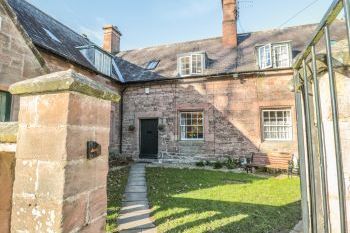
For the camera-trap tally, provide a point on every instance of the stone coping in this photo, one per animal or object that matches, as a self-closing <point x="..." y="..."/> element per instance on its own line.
<point x="8" y="132"/>
<point x="64" y="81"/>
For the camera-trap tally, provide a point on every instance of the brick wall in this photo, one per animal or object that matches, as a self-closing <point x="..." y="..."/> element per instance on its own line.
<point x="17" y="61"/>
<point x="232" y="109"/>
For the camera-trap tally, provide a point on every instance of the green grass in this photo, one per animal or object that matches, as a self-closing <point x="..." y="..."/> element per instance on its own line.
<point x="116" y="183"/>
<point x="186" y="200"/>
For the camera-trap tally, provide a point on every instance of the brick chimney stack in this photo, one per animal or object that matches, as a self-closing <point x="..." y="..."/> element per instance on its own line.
<point x="111" y="39"/>
<point x="229" y="23"/>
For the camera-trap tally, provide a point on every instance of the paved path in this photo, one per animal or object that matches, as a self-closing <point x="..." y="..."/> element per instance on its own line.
<point x="134" y="215"/>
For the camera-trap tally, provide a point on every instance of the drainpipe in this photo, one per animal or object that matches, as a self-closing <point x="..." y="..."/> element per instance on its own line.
<point x="121" y="112"/>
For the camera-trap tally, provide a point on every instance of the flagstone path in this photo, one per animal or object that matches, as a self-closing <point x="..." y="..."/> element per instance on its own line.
<point x="135" y="213"/>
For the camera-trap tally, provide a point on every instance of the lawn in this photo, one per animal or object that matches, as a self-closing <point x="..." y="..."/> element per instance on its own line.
<point x="186" y="200"/>
<point x="116" y="183"/>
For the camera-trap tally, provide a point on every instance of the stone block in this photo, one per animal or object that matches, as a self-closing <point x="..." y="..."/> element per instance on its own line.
<point x="7" y="175"/>
<point x="98" y="225"/>
<point x="34" y="215"/>
<point x="88" y="111"/>
<point x="25" y="174"/>
<point x="78" y="136"/>
<point x="84" y="175"/>
<point x="74" y="213"/>
<point x="30" y="143"/>
<point x="98" y="203"/>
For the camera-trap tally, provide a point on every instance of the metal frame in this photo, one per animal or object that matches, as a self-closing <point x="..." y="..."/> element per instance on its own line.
<point x="302" y="86"/>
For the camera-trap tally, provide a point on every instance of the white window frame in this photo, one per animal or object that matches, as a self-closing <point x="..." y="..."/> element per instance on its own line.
<point x="183" y="124"/>
<point x="283" y="57"/>
<point x="287" y="124"/>
<point x="265" y="56"/>
<point x="193" y="70"/>
<point x="270" y="51"/>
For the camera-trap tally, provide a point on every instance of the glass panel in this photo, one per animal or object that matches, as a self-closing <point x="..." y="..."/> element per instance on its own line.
<point x="5" y="106"/>
<point x="191" y="124"/>
<point x="274" y="124"/>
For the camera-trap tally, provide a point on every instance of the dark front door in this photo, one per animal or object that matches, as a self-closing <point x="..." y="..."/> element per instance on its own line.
<point x="149" y="139"/>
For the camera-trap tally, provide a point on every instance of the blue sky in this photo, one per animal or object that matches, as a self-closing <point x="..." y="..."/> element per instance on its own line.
<point x="152" y="22"/>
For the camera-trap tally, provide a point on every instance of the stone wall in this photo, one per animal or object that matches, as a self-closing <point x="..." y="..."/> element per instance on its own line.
<point x="8" y="137"/>
<point x="232" y="115"/>
<point x="58" y="64"/>
<point x="17" y="60"/>
<point x="57" y="187"/>
<point x="7" y="175"/>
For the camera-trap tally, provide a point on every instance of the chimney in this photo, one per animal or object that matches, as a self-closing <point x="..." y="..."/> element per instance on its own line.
<point x="111" y="39"/>
<point x="229" y="23"/>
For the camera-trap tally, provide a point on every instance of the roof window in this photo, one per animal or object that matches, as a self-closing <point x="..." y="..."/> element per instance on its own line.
<point x="152" y="65"/>
<point x="276" y="55"/>
<point x="191" y="64"/>
<point x="52" y="36"/>
<point x="99" y="58"/>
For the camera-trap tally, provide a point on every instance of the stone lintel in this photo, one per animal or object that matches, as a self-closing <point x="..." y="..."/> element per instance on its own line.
<point x="64" y="81"/>
<point x="8" y="132"/>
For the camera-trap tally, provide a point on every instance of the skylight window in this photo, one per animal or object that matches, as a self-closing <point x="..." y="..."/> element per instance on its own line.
<point x="52" y="36"/>
<point x="152" y="65"/>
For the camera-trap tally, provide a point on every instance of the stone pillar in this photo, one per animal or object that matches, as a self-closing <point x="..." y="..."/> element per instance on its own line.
<point x="56" y="188"/>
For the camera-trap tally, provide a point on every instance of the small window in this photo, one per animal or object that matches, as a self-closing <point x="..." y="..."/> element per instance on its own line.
<point x="191" y="126"/>
<point x="51" y="35"/>
<point x="152" y="65"/>
<point x="277" y="124"/>
<point x="5" y="106"/>
<point x="281" y="55"/>
<point x="274" y="56"/>
<point x="191" y="64"/>
<point x="103" y="62"/>
<point x="265" y="56"/>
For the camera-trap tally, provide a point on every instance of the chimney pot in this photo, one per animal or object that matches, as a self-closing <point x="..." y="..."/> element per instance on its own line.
<point x="229" y="23"/>
<point x="111" y="39"/>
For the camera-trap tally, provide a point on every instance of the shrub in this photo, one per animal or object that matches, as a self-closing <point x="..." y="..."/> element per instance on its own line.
<point x="218" y="165"/>
<point x="231" y="163"/>
<point x="207" y="163"/>
<point x="200" y="164"/>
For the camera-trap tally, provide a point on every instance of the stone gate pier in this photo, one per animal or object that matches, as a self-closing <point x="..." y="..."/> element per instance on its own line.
<point x="57" y="187"/>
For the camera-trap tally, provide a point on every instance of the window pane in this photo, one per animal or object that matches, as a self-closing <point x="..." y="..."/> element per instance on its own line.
<point x="5" y="106"/>
<point x="277" y="124"/>
<point x="191" y="125"/>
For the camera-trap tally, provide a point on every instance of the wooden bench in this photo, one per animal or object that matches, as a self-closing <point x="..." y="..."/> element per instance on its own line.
<point x="280" y="161"/>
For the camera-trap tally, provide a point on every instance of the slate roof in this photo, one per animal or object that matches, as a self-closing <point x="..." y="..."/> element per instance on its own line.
<point x="35" y="22"/>
<point x="220" y="59"/>
<point x="132" y="63"/>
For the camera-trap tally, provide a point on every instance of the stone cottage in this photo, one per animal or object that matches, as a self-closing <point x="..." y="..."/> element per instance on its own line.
<point x="204" y="99"/>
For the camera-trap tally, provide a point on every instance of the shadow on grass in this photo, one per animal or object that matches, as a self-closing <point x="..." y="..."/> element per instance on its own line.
<point x="199" y="201"/>
<point x="116" y="183"/>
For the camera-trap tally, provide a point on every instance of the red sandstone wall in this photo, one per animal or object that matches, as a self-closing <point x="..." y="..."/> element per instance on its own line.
<point x="17" y="62"/>
<point x="58" y="64"/>
<point x="232" y="109"/>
